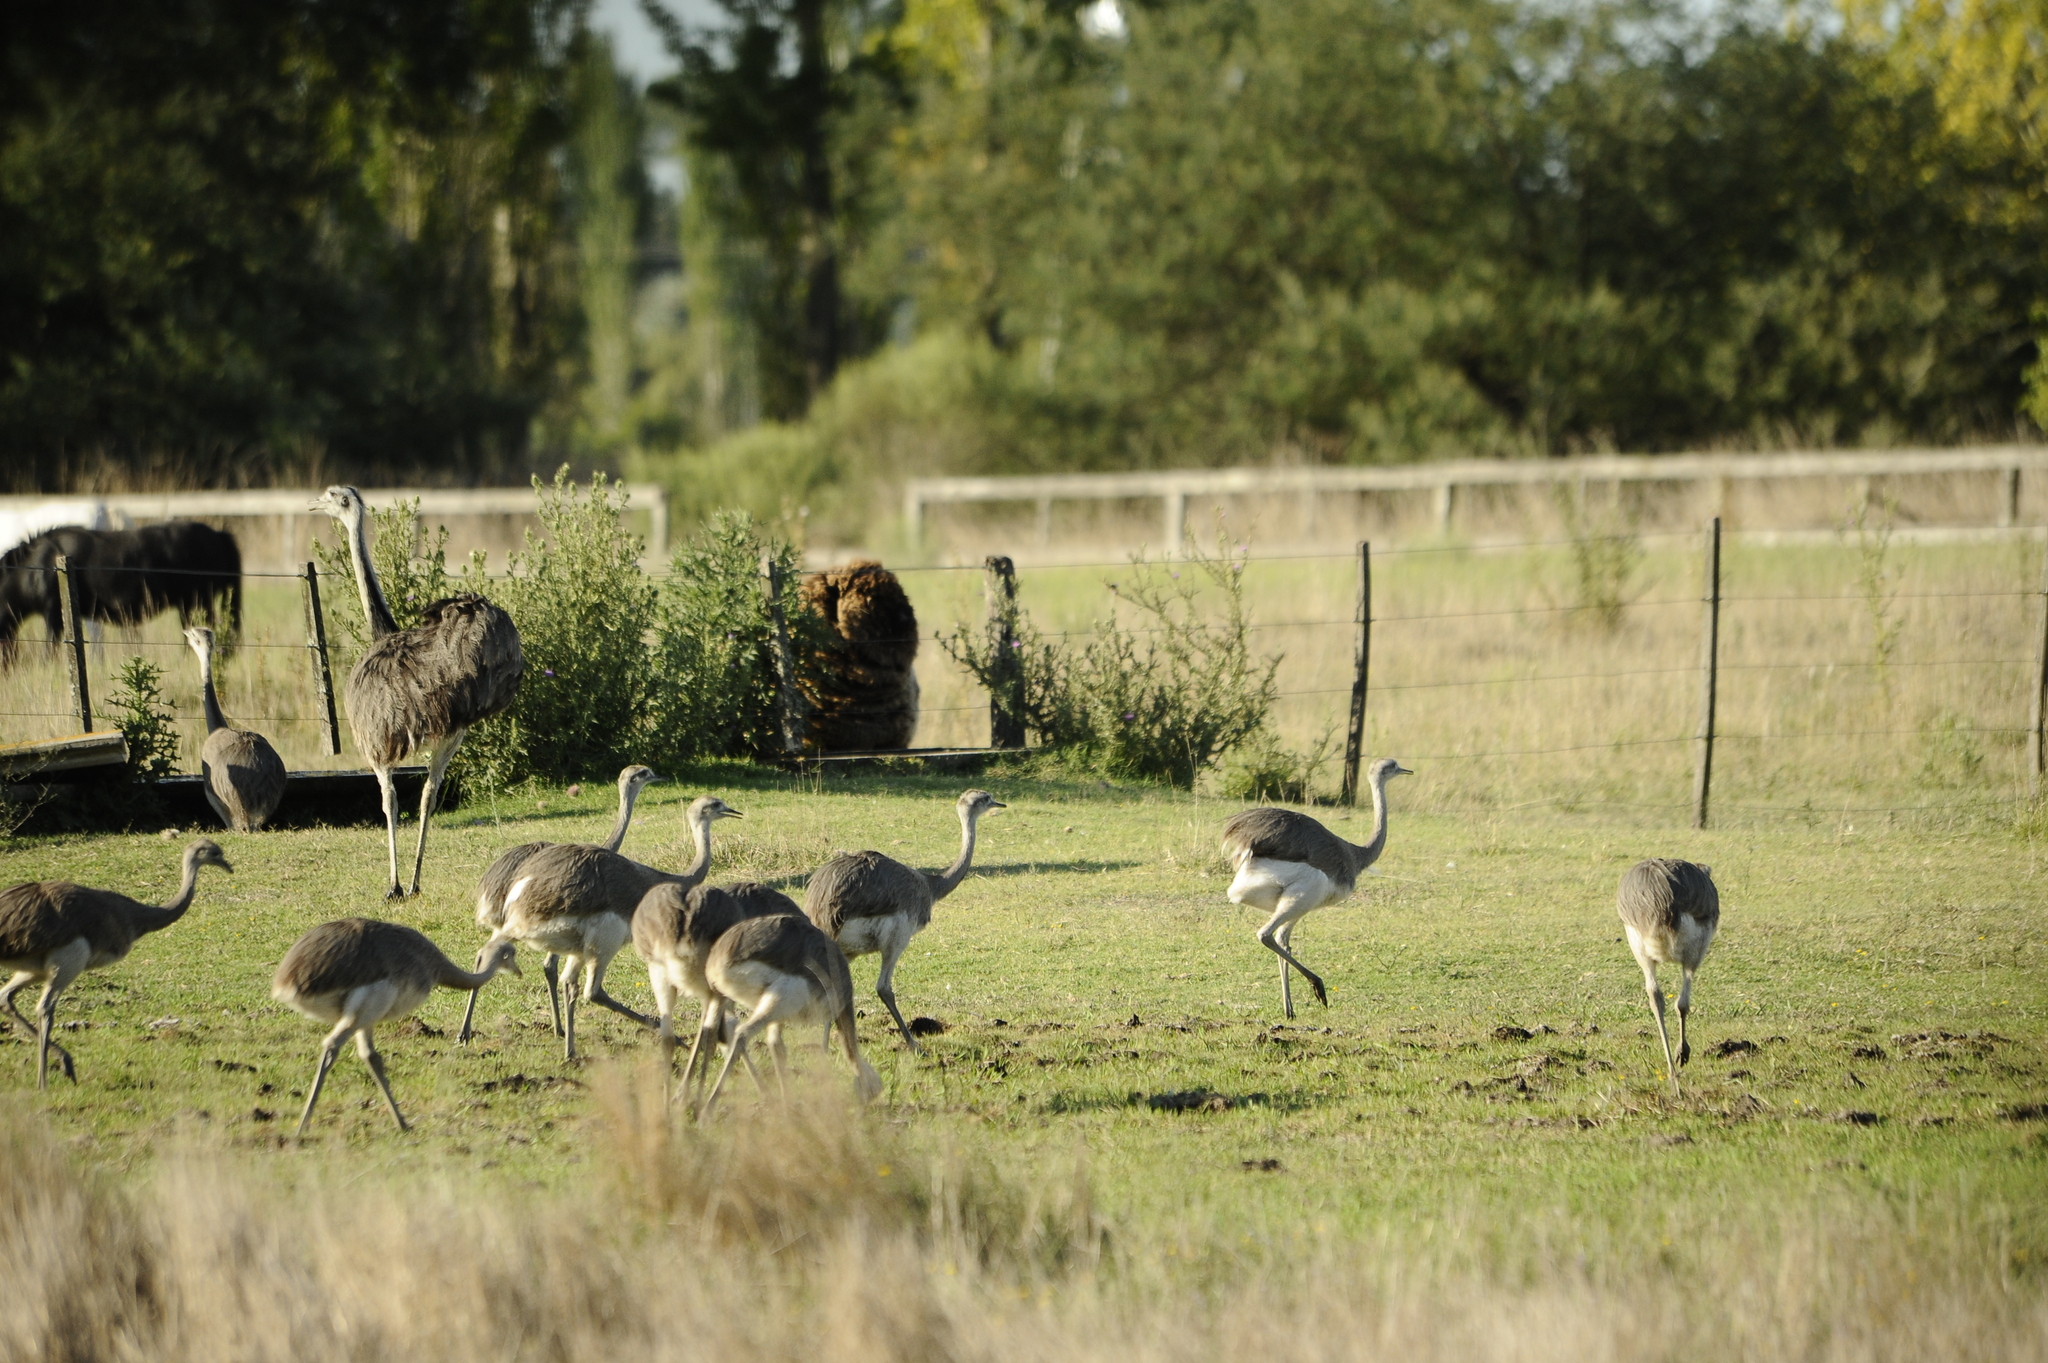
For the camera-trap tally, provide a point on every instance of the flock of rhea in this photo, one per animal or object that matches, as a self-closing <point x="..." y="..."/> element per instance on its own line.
<point x="748" y="956"/>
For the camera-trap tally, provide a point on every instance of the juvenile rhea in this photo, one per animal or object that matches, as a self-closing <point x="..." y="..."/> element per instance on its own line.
<point x="241" y="773"/>
<point x="1670" y="911"/>
<point x="782" y="970"/>
<point x="503" y="874"/>
<point x="1288" y="865"/>
<point x="52" y="931"/>
<point x="867" y="902"/>
<point x="674" y="930"/>
<point x="358" y="972"/>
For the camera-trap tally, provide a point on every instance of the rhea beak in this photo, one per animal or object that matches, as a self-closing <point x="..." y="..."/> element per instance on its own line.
<point x="997" y="804"/>
<point x="1404" y="771"/>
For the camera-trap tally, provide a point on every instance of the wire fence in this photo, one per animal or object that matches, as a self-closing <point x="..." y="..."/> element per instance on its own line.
<point x="1907" y="685"/>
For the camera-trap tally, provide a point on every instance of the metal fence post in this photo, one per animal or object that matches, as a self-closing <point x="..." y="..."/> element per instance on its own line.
<point x="316" y="644"/>
<point x="1006" y="662"/>
<point x="792" y="702"/>
<point x="74" y="643"/>
<point x="2037" y="755"/>
<point x="1703" y="777"/>
<point x="1354" y="736"/>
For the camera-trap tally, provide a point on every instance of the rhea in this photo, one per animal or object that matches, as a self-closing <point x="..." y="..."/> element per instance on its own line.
<point x="357" y="973"/>
<point x="867" y="902"/>
<point x="783" y="971"/>
<point x="1670" y="911"/>
<point x="423" y="687"/>
<point x="503" y="874"/>
<point x="674" y="929"/>
<point x="52" y="931"/>
<point x="1287" y="864"/>
<point x="241" y="773"/>
<point x="578" y="902"/>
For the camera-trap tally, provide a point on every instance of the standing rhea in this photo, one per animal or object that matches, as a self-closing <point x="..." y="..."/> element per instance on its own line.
<point x="241" y="773"/>
<point x="579" y="902"/>
<point x="781" y="970"/>
<point x="422" y="687"/>
<point x="358" y="972"/>
<point x="1288" y="864"/>
<point x="503" y="874"/>
<point x="53" y="930"/>
<point x="1670" y="911"/>
<point x="867" y="902"/>
<point x="675" y="928"/>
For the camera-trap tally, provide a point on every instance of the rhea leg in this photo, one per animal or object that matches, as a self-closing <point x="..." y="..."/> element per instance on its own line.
<point x="886" y="991"/>
<point x="389" y="790"/>
<point x="707" y="1032"/>
<point x="429" y="798"/>
<point x="329" y="1049"/>
<point x="593" y="992"/>
<point x="551" y="970"/>
<point x="1276" y="934"/>
<point x="1657" y="1005"/>
<point x="46" y="1019"/>
<point x="366" y="1047"/>
<point x="1684" y="1008"/>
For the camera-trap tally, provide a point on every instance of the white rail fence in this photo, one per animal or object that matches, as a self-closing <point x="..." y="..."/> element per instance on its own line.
<point x="1173" y="488"/>
<point x="287" y="507"/>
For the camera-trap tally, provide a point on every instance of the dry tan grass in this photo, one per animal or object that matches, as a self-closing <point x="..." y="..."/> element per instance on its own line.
<point x="822" y="1235"/>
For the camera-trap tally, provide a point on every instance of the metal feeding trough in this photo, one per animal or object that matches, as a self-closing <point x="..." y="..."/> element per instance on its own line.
<point x="310" y="797"/>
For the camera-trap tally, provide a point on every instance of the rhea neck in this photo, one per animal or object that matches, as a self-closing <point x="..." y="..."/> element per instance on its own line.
<point x="155" y="917"/>
<point x="628" y="793"/>
<point x="944" y="882"/>
<point x="700" y="831"/>
<point x="1365" y="854"/>
<point x="453" y="976"/>
<point x="375" y="609"/>
<point x="214" y="718"/>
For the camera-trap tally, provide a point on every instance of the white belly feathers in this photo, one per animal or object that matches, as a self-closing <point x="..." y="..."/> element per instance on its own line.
<point x="1262" y="883"/>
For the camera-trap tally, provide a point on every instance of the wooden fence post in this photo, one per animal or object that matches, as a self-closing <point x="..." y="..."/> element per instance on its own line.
<point x="1006" y="671"/>
<point x="74" y="643"/>
<point x="316" y="644"/>
<point x="1703" y="777"/>
<point x="2037" y="755"/>
<point x="792" y="701"/>
<point x="1354" y="736"/>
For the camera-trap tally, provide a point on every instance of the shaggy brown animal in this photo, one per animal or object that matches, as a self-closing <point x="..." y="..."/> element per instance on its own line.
<point x="861" y="687"/>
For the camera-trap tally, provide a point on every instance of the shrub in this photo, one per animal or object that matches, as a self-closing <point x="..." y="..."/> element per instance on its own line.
<point x="145" y="718"/>
<point x="1605" y="552"/>
<point x="1163" y="699"/>
<point x="713" y="681"/>
<point x="583" y="608"/>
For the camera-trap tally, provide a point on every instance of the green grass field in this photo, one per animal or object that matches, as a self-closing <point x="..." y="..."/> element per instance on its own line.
<point x="1092" y="964"/>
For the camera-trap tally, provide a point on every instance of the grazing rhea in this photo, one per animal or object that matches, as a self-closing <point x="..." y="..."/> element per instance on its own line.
<point x="421" y="687"/>
<point x="867" y="902"/>
<point x="241" y="773"/>
<point x="1288" y="864"/>
<point x="358" y="972"/>
<point x="52" y="931"/>
<point x="504" y="873"/>
<point x="1670" y="911"/>
<point x="578" y="902"/>
<point x="674" y="929"/>
<point x="782" y="970"/>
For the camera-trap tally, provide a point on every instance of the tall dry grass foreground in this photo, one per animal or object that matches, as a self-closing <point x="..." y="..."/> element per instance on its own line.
<point x="818" y="1234"/>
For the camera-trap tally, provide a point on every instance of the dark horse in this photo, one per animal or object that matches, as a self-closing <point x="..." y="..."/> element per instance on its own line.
<point x="124" y="576"/>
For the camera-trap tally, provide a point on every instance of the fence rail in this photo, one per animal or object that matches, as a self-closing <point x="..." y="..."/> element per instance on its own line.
<point x="1173" y="487"/>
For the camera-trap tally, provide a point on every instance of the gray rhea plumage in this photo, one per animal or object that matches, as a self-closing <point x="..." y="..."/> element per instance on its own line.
<point x="782" y="969"/>
<point x="357" y="973"/>
<point x="503" y="873"/>
<point x="52" y="931"/>
<point x="579" y="901"/>
<point x="867" y="902"/>
<point x="1288" y="864"/>
<point x="243" y="776"/>
<point x="422" y="687"/>
<point x="674" y="930"/>
<point x="1670" y="911"/>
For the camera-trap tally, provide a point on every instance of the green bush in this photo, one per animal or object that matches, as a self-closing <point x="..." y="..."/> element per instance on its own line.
<point x="1162" y="699"/>
<point x="583" y="608"/>
<point x="145" y="717"/>
<point x="713" y="681"/>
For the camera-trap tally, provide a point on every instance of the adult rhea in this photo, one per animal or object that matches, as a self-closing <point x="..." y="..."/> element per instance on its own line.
<point x="53" y="931"/>
<point x="423" y="687"/>
<point x="1670" y="911"/>
<point x="1288" y="865"/>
